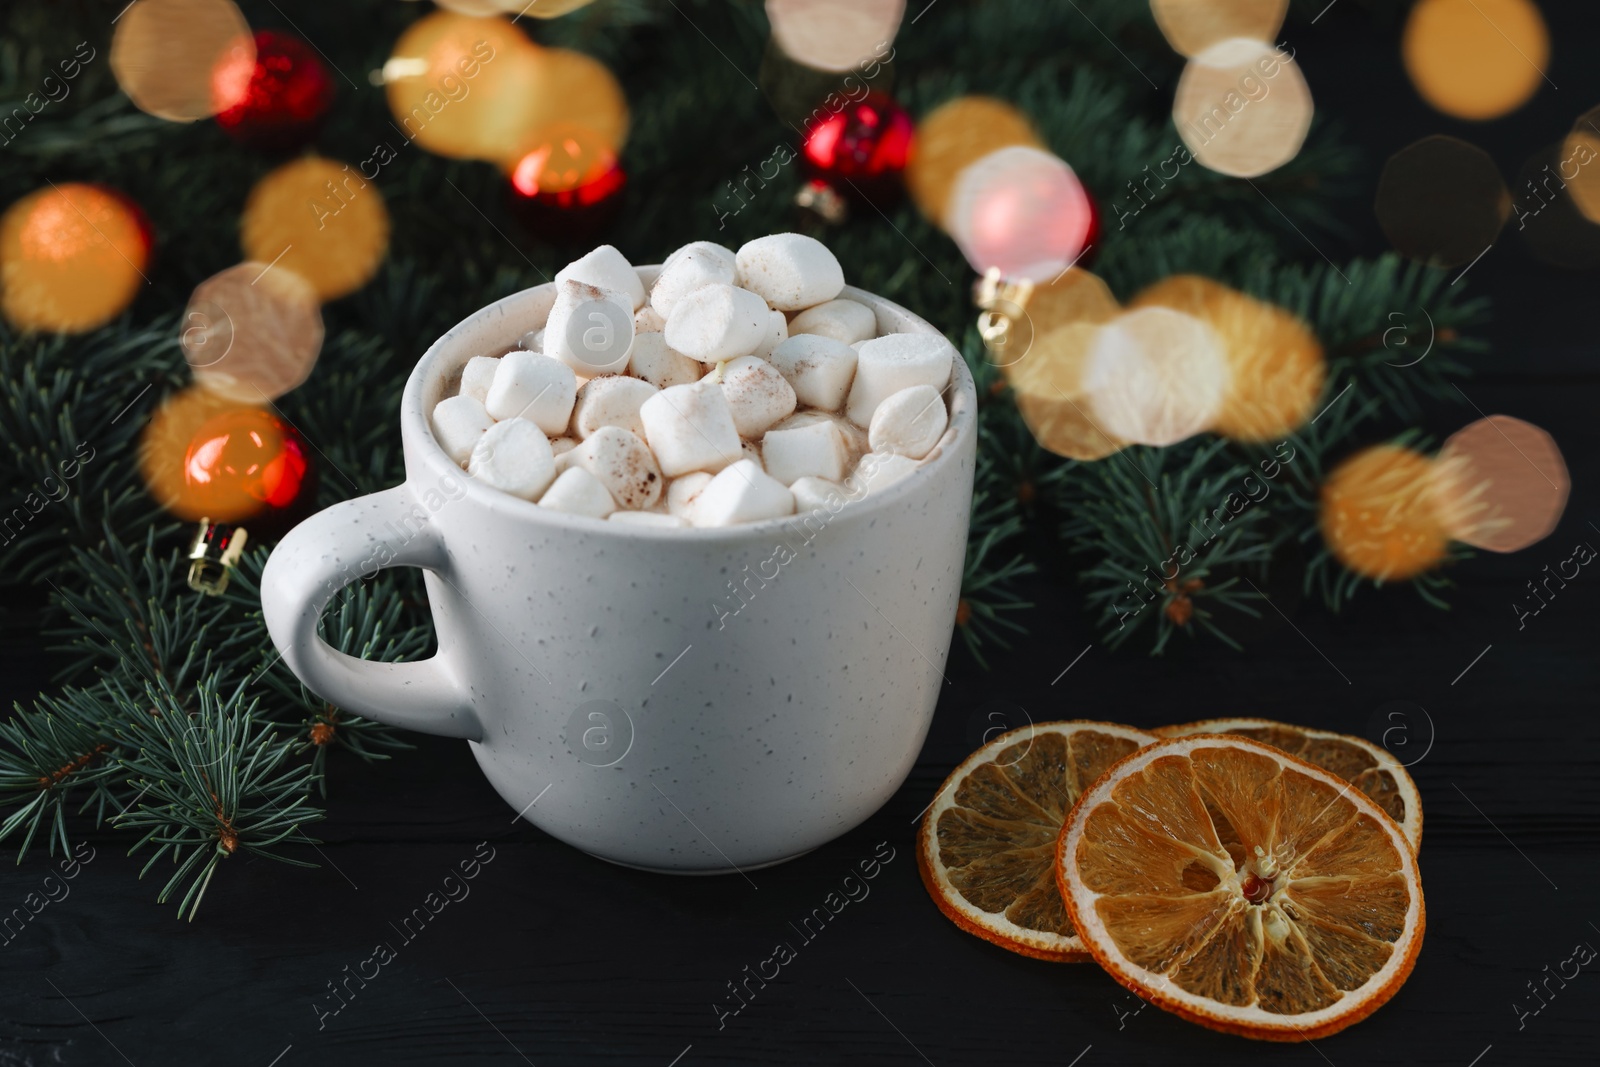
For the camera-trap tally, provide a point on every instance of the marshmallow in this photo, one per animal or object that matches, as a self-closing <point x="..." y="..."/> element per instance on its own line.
<point x="757" y="395"/>
<point x="514" y="456"/>
<point x="653" y="361"/>
<point x="647" y="320"/>
<point x="689" y="268"/>
<point x="790" y="270"/>
<point x="690" y="428"/>
<point x="477" y="376"/>
<point x="532" y="386"/>
<point x="683" y="492"/>
<point x="611" y="401"/>
<point x="458" y="422"/>
<point x="562" y="445"/>
<point x="578" y="492"/>
<point x="606" y="268"/>
<point x="717" y="322"/>
<point x="532" y="341"/>
<point x="646" y="518"/>
<point x="885" y="365"/>
<point x="909" y="423"/>
<point x="742" y="493"/>
<point x="877" y="471"/>
<point x="817" y="494"/>
<point x="623" y="464"/>
<point x="842" y="320"/>
<point x="590" y="329"/>
<point x="704" y="247"/>
<point x="777" y="333"/>
<point x="747" y="450"/>
<point x="819" y="368"/>
<point x="815" y="450"/>
<point x="855" y="438"/>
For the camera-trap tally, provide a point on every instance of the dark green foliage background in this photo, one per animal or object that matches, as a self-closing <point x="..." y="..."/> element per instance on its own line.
<point x="178" y="722"/>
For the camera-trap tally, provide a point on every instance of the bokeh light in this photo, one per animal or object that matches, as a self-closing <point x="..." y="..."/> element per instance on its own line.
<point x="252" y="334"/>
<point x="1546" y="214"/>
<point x="1441" y="201"/>
<point x="71" y="257"/>
<point x="1074" y="296"/>
<point x="1476" y="59"/>
<point x="1050" y="393"/>
<point x="1275" y="363"/>
<point x="1022" y="210"/>
<point x="319" y="219"/>
<point x="1502" y="484"/>
<point x="1580" y="164"/>
<point x="1192" y="26"/>
<point x="1380" y="517"/>
<point x="1242" y="107"/>
<point x="835" y="35"/>
<point x="1156" y="376"/>
<point x="953" y="136"/>
<point x="179" y="59"/>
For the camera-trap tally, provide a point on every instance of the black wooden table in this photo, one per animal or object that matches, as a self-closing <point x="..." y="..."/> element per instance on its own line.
<point x="550" y="957"/>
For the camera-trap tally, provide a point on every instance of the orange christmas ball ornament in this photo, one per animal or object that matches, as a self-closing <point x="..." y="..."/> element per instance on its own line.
<point x="165" y="441"/>
<point x="319" y="219"/>
<point x="206" y="457"/>
<point x="241" y="464"/>
<point x="952" y="137"/>
<point x="1276" y="361"/>
<point x="72" y="257"/>
<point x="1380" y="517"/>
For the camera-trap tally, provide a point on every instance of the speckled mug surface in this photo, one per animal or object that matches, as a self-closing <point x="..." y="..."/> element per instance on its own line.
<point x="614" y="686"/>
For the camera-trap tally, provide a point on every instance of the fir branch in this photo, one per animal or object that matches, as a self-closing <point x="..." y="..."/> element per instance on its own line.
<point x="63" y="745"/>
<point x="211" y="783"/>
<point x="1167" y="527"/>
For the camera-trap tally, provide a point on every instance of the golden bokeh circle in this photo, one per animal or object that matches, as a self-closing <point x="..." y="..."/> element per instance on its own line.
<point x="1276" y="365"/>
<point x="1441" y="201"/>
<point x="1049" y="390"/>
<point x="71" y="258"/>
<point x="1242" y="107"/>
<point x="953" y="136"/>
<point x="167" y="54"/>
<point x="1579" y="164"/>
<point x="1502" y="484"/>
<point x="1379" y="515"/>
<point x="1076" y="296"/>
<point x="1476" y="59"/>
<point x="1192" y="26"/>
<point x="458" y="85"/>
<point x="321" y="220"/>
<point x="252" y="334"/>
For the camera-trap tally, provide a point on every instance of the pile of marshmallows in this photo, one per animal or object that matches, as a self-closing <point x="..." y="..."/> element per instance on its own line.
<point x="740" y="388"/>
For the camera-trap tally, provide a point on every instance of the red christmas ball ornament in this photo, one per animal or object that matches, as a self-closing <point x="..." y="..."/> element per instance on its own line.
<point x="860" y="151"/>
<point x="246" y="465"/>
<point x="278" y="101"/>
<point x="566" y="185"/>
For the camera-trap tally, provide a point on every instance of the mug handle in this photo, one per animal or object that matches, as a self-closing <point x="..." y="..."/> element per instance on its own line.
<point x="309" y="567"/>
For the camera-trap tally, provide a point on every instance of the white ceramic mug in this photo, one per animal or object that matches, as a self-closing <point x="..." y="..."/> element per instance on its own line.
<point x="615" y="688"/>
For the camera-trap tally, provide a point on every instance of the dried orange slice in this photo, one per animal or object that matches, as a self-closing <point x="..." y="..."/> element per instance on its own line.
<point x="1242" y="888"/>
<point x="988" y="841"/>
<point x="1368" y="767"/>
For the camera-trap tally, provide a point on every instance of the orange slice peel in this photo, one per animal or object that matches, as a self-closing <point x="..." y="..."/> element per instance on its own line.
<point x="987" y="845"/>
<point x="1242" y="888"/>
